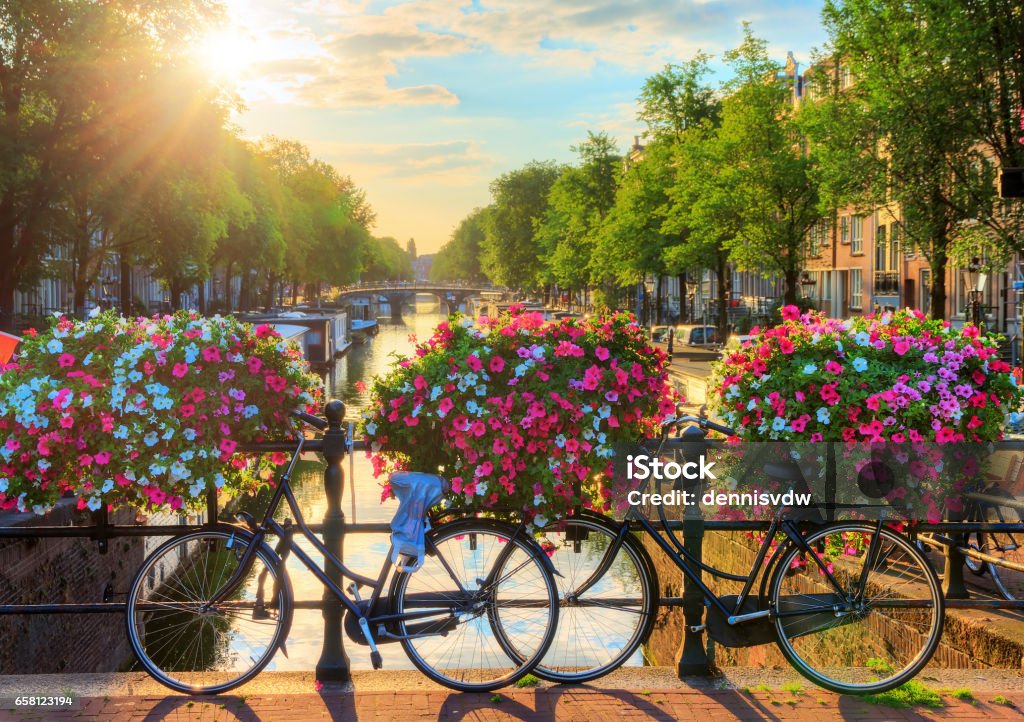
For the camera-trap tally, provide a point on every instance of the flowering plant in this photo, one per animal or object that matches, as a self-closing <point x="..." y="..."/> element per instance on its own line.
<point x="519" y="412"/>
<point x="893" y="378"/>
<point x="921" y="395"/>
<point x="144" y="412"/>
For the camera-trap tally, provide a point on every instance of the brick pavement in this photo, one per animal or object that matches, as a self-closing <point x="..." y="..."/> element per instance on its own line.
<point x="553" y="703"/>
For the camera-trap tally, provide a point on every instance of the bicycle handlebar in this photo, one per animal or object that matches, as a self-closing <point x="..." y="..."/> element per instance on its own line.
<point x="311" y="420"/>
<point x="701" y="422"/>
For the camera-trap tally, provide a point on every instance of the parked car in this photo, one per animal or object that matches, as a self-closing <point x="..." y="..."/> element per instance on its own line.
<point x="697" y="335"/>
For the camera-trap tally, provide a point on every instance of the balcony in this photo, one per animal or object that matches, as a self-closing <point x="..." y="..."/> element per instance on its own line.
<point x="887" y="283"/>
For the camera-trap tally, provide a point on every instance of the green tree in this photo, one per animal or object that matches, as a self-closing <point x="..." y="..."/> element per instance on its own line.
<point x="775" y="185"/>
<point x="512" y="257"/>
<point x="706" y="210"/>
<point x="327" y="217"/>
<point x="678" y="98"/>
<point x="74" y="75"/>
<point x="637" y="238"/>
<point x="459" y="258"/>
<point x="385" y="260"/>
<point x="931" y="113"/>
<point x="577" y="205"/>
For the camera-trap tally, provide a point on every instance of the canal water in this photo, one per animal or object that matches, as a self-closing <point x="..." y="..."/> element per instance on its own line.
<point x="361" y="501"/>
<point x="363" y="553"/>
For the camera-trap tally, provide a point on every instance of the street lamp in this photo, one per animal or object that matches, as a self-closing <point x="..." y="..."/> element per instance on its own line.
<point x="974" y="284"/>
<point x="107" y="291"/>
<point x="649" y="283"/>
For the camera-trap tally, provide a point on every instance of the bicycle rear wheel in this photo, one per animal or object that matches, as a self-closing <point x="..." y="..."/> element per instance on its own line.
<point x="199" y="650"/>
<point x="845" y="640"/>
<point x="608" y="599"/>
<point x="476" y="569"/>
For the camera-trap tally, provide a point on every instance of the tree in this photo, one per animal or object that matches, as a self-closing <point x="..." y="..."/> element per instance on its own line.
<point x="511" y="255"/>
<point x="706" y="210"/>
<point x="929" y="107"/>
<point x="70" y="73"/>
<point x="774" y="183"/>
<point x="385" y="260"/>
<point x="637" y="239"/>
<point x="577" y="205"/>
<point x="633" y="239"/>
<point x="459" y="258"/>
<point x="327" y="217"/>
<point x="410" y="248"/>
<point x="677" y="99"/>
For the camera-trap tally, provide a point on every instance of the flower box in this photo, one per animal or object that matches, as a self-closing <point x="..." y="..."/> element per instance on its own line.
<point x="520" y="413"/>
<point x="145" y="412"/>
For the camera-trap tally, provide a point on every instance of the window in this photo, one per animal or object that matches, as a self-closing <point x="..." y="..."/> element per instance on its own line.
<point x="845" y="77"/>
<point x="881" y="249"/>
<point x="826" y="233"/>
<point x="856" y="239"/>
<point x="894" y="247"/>
<point x="813" y="246"/>
<point x="844" y="229"/>
<point x="856" y="289"/>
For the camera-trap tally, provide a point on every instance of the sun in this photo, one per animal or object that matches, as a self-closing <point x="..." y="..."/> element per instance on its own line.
<point x="226" y="53"/>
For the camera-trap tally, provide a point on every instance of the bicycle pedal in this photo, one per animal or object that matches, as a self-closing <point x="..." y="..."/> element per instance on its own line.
<point x="376" y="660"/>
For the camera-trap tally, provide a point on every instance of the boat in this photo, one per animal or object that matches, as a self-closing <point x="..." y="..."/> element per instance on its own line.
<point x="362" y="329"/>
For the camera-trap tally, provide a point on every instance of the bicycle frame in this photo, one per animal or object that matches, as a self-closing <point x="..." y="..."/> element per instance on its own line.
<point x="270" y="526"/>
<point x="686" y="561"/>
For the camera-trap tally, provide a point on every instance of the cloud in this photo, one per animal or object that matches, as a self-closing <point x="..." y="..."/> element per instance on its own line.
<point x="452" y="163"/>
<point x="353" y="54"/>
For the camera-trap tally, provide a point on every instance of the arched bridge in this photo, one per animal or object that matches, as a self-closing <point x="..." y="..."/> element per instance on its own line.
<point x="399" y="293"/>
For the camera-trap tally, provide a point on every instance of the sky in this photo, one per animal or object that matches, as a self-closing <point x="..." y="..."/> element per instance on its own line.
<point x="424" y="102"/>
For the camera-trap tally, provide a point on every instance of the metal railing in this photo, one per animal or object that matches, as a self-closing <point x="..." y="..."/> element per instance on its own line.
<point x="333" y="664"/>
<point x="887" y="283"/>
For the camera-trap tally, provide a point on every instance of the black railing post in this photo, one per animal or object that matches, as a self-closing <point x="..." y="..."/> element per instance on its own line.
<point x="693" y="657"/>
<point x="333" y="665"/>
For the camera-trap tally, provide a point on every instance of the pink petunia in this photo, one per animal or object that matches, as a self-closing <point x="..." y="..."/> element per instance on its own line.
<point x="65" y="360"/>
<point x="179" y="371"/>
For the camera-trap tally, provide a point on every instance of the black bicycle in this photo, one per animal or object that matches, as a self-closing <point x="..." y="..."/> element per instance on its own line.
<point x="855" y="607"/>
<point x="209" y="609"/>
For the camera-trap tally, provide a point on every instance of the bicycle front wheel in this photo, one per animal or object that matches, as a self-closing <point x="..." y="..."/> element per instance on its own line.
<point x="608" y="599"/>
<point x="199" y="649"/>
<point x="854" y="619"/>
<point x="1005" y="546"/>
<point x="476" y="570"/>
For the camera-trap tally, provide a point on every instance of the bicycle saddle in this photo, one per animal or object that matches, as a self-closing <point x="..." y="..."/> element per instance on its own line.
<point x="785" y="471"/>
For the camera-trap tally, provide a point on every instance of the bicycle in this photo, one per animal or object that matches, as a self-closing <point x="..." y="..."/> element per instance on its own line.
<point x="834" y="621"/>
<point x="999" y="555"/>
<point x="208" y="609"/>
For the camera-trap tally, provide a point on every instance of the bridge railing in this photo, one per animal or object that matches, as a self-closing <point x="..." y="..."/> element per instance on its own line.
<point x="336" y="443"/>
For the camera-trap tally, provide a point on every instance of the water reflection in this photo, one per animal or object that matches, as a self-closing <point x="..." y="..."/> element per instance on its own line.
<point x="364" y="553"/>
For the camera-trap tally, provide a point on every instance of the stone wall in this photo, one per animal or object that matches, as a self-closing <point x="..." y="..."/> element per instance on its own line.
<point x="971" y="638"/>
<point x="64" y="571"/>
